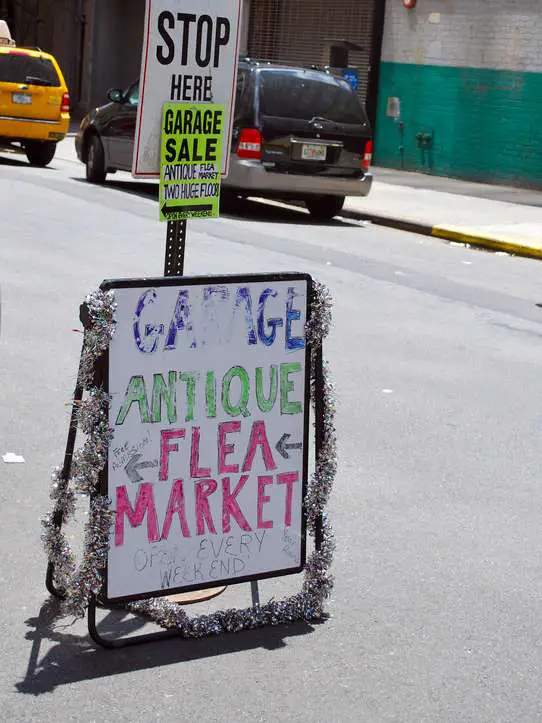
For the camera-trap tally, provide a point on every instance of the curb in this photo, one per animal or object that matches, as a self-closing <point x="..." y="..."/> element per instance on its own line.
<point x="488" y="242"/>
<point x="398" y="223"/>
<point x="447" y="234"/>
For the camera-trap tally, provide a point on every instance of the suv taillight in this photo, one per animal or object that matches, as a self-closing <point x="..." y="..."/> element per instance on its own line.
<point x="250" y="144"/>
<point x="65" y="105"/>
<point x="367" y="156"/>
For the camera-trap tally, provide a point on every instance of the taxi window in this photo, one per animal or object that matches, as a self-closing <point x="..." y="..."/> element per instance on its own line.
<point x="22" y="68"/>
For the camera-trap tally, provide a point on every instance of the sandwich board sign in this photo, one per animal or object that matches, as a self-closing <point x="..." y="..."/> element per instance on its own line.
<point x="190" y="52"/>
<point x="208" y="379"/>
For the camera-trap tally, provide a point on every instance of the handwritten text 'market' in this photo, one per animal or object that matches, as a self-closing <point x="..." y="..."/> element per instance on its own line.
<point x="205" y="487"/>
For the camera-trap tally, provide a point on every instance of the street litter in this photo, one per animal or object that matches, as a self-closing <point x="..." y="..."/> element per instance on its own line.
<point x="12" y="458"/>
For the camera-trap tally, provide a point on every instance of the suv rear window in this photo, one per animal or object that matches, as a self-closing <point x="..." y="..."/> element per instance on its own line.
<point x="23" y="68"/>
<point x="304" y="97"/>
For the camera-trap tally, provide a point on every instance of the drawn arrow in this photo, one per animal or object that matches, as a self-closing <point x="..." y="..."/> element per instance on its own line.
<point x="168" y="211"/>
<point x="282" y="447"/>
<point x="134" y="465"/>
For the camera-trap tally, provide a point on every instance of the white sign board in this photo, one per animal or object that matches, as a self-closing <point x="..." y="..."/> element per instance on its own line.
<point x="190" y="52"/>
<point x="209" y="410"/>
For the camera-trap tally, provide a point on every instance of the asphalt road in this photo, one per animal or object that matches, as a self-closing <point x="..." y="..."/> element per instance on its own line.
<point x="436" y="351"/>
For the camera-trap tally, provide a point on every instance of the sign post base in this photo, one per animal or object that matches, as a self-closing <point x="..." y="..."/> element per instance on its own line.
<point x="196" y="596"/>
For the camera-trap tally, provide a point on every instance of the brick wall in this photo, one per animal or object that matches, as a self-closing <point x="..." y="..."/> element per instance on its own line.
<point x="466" y="77"/>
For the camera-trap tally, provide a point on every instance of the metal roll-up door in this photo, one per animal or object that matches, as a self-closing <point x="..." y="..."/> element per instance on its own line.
<point x="300" y="32"/>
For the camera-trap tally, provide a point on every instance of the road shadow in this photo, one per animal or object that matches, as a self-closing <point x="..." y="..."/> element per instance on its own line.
<point x="252" y="210"/>
<point x="13" y="159"/>
<point x="238" y="209"/>
<point x="73" y="658"/>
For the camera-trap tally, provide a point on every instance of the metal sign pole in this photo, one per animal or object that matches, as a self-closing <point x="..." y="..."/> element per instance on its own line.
<point x="175" y="247"/>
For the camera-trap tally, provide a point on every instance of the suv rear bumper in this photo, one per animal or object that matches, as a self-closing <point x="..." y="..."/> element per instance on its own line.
<point x="253" y="178"/>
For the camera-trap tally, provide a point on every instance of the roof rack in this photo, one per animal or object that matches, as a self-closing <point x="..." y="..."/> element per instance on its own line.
<point x="256" y="61"/>
<point x="286" y="63"/>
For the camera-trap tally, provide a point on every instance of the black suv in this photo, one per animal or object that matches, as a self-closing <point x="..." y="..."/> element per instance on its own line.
<point x="298" y="134"/>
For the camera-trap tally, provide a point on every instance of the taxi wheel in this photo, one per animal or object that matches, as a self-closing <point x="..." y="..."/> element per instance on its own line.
<point x="40" y="154"/>
<point x="95" y="164"/>
<point x="323" y="208"/>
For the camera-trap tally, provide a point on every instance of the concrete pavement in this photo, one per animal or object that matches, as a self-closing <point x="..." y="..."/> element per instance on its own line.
<point x="498" y="218"/>
<point x="435" y="352"/>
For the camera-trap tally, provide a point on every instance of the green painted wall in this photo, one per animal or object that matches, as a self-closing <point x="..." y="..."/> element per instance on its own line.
<point x="486" y="124"/>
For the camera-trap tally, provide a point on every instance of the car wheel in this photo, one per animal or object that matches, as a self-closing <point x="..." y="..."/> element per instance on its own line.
<point x="323" y="208"/>
<point x="40" y="154"/>
<point x="95" y="163"/>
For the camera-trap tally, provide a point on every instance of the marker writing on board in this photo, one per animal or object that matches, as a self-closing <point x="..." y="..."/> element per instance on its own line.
<point x="197" y="519"/>
<point x="175" y="396"/>
<point x="164" y="334"/>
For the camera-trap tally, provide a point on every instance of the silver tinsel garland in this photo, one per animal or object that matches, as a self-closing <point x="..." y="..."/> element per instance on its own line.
<point x="79" y="583"/>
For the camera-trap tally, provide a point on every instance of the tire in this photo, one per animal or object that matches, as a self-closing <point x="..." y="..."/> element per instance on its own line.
<point x="95" y="161"/>
<point x="323" y="208"/>
<point x="40" y="154"/>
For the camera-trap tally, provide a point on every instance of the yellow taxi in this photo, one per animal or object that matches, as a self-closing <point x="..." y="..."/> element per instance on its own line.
<point x="34" y="101"/>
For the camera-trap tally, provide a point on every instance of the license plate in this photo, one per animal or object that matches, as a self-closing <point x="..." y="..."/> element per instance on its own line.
<point x="22" y="98"/>
<point x="313" y="152"/>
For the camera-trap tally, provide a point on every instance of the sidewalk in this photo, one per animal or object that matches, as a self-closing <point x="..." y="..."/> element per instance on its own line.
<point x="499" y="218"/>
